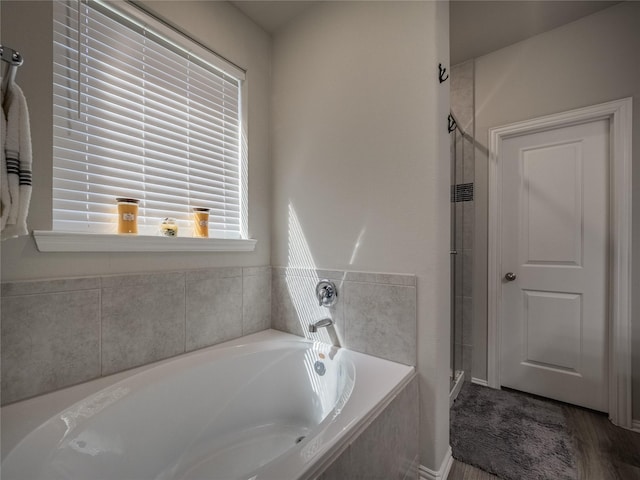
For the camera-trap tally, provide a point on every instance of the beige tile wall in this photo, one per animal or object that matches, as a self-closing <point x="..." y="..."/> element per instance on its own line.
<point x="375" y="313"/>
<point x="388" y="448"/>
<point x="57" y="333"/>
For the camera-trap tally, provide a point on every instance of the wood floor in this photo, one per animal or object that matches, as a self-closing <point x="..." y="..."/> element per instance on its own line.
<point x="462" y="471"/>
<point x="603" y="451"/>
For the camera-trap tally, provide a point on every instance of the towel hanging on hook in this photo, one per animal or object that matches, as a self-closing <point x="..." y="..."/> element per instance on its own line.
<point x="14" y="60"/>
<point x="16" y="154"/>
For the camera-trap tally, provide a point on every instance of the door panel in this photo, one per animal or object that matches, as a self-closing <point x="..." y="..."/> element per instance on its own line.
<point x="554" y="238"/>
<point x="552" y="326"/>
<point x="551" y="178"/>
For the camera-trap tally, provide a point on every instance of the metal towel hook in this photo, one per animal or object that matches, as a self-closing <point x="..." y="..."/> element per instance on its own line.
<point x="442" y="71"/>
<point x="452" y="125"/>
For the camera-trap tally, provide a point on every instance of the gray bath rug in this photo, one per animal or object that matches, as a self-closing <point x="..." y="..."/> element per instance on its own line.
<point x="512" y="435"/>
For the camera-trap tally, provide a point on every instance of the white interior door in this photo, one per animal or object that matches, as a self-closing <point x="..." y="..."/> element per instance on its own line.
<point x="555" y="204"/>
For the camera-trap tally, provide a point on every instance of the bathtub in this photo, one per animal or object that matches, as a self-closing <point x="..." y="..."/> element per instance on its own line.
<point x="266" y="406"/>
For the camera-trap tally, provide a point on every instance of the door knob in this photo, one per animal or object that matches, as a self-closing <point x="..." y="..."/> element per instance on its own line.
<point x="510" y="276"/>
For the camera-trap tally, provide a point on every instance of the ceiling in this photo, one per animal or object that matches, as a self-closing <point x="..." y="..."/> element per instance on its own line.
<point x="272" y="14"/>
<point x="477" y="27"/>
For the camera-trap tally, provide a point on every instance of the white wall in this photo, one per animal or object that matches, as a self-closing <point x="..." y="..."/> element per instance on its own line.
<point x="361" y="163"/>
<point x="590" y="61"/>
<point x="360" y="145"/>
<point x="27" y="27"/>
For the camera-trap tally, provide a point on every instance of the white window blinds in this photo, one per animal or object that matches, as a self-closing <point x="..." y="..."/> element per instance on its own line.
<point x="136" y="114"/>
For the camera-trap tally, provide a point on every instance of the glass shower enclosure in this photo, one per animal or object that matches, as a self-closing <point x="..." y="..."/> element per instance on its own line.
<point x="462" y="223"/>
<point x="455" y="368"/>
<point x="463" y="148"/>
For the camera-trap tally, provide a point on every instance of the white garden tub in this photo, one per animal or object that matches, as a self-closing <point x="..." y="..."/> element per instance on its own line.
<point x="265" y="406"/>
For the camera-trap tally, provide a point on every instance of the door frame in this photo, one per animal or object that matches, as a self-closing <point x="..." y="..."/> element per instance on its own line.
<point x="619" y="115"/>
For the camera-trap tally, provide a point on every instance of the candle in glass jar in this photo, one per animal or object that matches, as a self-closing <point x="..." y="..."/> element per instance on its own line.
<point x="169" y="228"/>
<point x="127" y="215"/>
<point x="201" y="222"/>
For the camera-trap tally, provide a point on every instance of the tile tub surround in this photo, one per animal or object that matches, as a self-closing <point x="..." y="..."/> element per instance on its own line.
<point x="57" y="333"/>
<point x="375" y="313"/>
<point x="388" y="447"/>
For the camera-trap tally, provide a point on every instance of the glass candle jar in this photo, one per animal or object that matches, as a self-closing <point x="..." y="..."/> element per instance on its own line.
<point x="127" y="215"/>
<point x="169" y="228"/>
<point x="201" y="222"/>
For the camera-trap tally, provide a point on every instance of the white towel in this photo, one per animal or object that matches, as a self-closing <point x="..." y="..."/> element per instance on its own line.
<point x="5" y="196"/>
<point x="18" y="161"/>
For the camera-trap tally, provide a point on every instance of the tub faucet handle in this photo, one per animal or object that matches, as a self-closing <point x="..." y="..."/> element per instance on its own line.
<point x="323" y="293"/>
<point x="327" y="293"/>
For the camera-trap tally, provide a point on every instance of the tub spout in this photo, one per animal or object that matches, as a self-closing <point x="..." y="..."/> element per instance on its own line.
<point x="325" y="322"/>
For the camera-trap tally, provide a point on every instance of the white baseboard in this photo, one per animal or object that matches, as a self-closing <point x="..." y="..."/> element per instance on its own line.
<point x="443" y="471"/>
<point x="479" y="381"/>
<point x="635" y="425"/>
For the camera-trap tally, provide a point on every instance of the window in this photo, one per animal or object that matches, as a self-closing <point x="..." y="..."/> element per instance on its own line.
<point x="142" y="112"/>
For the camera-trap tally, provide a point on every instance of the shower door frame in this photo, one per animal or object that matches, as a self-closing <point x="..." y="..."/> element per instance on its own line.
<point x="619" y="115"/>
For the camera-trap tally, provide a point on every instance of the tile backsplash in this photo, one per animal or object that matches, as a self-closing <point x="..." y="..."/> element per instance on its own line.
<point x="142" y="319"/>
<point x="375" y="313"/>
<point x="57" y="333"/>
<point x="49" y="340"/>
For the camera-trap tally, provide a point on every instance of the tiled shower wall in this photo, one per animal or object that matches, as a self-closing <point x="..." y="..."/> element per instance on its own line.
<point x="463" y="108"/>
<point x="56" y="333"/>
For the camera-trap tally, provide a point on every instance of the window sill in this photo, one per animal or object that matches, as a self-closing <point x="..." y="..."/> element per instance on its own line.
<point x="48" y="241"/>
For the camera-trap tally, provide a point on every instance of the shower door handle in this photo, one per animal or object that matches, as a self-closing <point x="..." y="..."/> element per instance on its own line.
<point x="510" y="276"/>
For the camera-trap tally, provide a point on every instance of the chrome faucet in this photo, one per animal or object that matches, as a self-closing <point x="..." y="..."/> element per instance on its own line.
<point x="325" y="322"/>
<point x="327" y="293"/>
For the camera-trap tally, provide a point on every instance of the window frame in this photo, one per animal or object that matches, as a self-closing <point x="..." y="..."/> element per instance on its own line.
<point x="108" y="242"/>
